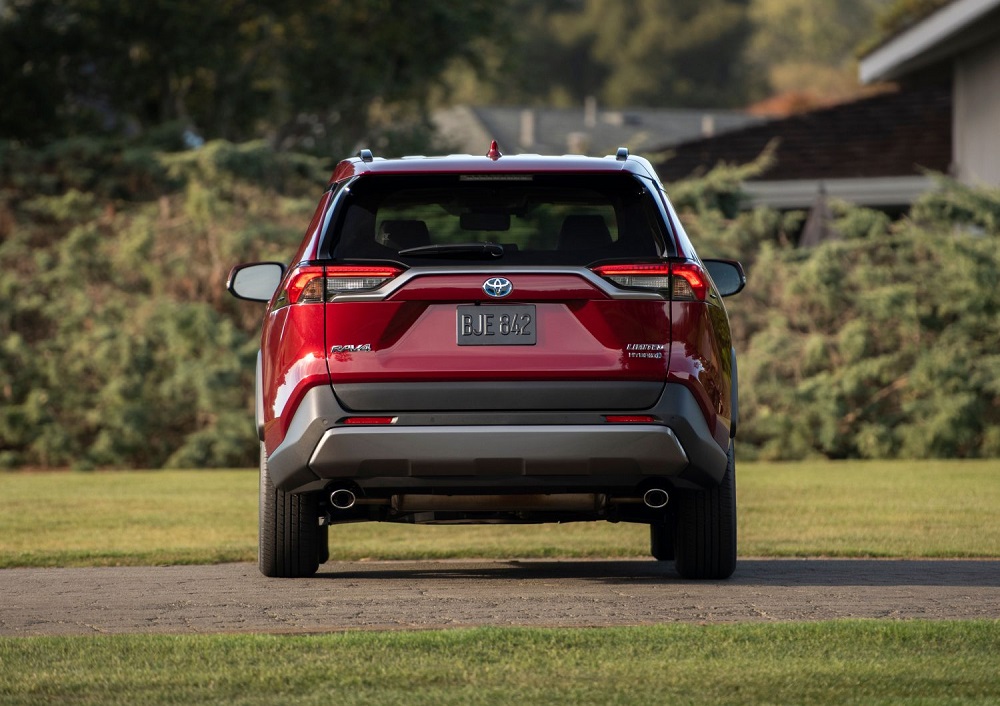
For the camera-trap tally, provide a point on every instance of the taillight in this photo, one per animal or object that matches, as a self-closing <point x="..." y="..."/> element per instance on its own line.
<point x="642" y="276"/>
<point x="313" y="284"/>
<point x="342" y="279"/>
<point x="305" y="285"/>
<point x="689" y="282"/>
<point x="683" y="281"/>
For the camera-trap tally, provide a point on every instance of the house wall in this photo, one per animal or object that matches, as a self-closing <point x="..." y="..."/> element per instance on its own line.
<point x="976" y="116"/>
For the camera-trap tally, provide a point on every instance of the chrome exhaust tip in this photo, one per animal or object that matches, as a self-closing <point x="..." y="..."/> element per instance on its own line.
<point x="655" y="498"/>
<point x="343" y="499"/>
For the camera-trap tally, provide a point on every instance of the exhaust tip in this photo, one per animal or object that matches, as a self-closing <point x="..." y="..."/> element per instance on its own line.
<point x="655" y="498"/>
<point x="343" y="499"/>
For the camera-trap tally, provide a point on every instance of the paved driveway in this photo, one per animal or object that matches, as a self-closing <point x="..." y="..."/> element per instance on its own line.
<point x="381" y="595"/>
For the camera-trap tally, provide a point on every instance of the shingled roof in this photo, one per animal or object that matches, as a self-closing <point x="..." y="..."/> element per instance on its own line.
<point x="899" y="133"/>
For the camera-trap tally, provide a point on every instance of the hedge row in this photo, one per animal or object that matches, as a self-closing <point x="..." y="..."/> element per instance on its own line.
<point x="119" y="347"/>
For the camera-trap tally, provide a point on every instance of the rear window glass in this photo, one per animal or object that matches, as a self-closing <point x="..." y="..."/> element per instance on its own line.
<point x="535" y="219"/>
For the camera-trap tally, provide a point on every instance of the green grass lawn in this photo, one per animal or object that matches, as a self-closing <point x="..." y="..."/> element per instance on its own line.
<point x="892" y="509"/>
<point x="819" y="663"/>
<point x="845" y="509"/>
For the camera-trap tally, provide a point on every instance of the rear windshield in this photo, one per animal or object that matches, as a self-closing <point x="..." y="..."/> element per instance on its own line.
<point x="534" y="219"/>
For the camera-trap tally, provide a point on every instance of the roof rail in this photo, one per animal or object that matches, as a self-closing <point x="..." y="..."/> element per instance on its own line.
<point x="366" y="155"/>
<point x="622" y="154"/>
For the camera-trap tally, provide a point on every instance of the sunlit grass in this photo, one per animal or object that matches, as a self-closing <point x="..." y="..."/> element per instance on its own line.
<point x="871" y="508"/>
<point x="819" y="663"/>
<point x="879" y="508"/>
<point x="126" y="517"/>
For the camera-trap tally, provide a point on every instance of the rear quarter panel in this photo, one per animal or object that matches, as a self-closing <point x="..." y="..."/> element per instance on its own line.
<point x="293" y="359"/>
<point x="701" y="358"/>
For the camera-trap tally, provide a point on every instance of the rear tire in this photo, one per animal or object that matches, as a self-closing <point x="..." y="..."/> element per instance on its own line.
<point x="323" y="544"/>
<point x="705" y="540"/>
<point x="661" y="538"/>
<point x="289" y="530"/>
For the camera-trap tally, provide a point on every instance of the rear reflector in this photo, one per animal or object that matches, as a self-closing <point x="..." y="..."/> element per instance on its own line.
<point x="369" y="420"/>
<point x="629" y="419"/>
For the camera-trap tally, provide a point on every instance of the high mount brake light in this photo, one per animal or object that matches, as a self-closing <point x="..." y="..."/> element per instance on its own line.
<point x="685" y="281"/>
<point x="313" y="284"/>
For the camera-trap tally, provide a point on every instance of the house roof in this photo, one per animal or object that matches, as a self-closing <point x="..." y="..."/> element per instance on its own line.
<point x="892" y="134"/>
<point x="942" y="34"/>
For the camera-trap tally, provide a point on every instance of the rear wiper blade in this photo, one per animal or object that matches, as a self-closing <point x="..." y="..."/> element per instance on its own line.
<point x="485" y="251"/>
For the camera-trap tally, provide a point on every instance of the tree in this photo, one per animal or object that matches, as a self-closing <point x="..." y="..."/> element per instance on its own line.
<point x="301" y="73"/>
<point x="647" y="52"/>
<point x="808" y="45"/>
<point x="118" y="343"/>
<point x="350" y="68"/>
<point x="670" y="53"/>
<point x="882" y="344"/>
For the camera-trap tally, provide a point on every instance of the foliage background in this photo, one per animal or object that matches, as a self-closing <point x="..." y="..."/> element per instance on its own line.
<point x="118" y="221"/>
<point x="120" y="348"/>
<point x="882" y="343"/>
<point x="320" y="76"/>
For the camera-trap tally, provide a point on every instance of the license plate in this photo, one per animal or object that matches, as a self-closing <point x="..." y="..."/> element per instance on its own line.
<point x="493" y="325"/>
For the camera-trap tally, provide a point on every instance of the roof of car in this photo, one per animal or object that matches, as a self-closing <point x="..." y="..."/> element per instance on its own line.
<point x="505" y="164"/>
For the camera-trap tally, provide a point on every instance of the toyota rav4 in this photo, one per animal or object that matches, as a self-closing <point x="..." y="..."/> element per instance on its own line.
<point x="496" y="339"/>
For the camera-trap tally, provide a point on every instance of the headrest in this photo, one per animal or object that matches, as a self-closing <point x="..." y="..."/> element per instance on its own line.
<point x="403" y="235"/>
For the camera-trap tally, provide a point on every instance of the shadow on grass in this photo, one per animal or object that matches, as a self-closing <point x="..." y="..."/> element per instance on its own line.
<point x="749" y="572"/>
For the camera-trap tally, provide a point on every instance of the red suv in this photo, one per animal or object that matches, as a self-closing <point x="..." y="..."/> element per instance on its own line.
<point x="497" y="339"/>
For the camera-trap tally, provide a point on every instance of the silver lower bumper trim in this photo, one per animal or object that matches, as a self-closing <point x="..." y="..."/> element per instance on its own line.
<point x="542" y="450"/>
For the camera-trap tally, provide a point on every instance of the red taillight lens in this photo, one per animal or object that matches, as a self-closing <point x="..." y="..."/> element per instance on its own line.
<point x="313" y="284"/>
<point x="685" y="281"/>
<point x="629" y="419"/>
<point x="305" y="284"/>
<point x="689" y="282"/>
<point x="369" y="420"/>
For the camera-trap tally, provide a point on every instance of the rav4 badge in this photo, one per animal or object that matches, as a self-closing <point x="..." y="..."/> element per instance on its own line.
<point x="359" y="348"/>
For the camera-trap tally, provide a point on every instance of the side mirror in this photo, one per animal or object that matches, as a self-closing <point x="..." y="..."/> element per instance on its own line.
<point x="255" y="281"/>
<point x="728" y="276"/>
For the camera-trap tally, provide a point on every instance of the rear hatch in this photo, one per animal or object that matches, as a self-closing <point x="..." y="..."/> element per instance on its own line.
<point x="475" y="294"/>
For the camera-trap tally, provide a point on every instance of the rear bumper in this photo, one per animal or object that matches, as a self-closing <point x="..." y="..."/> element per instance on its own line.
<point x="500" y="451"/>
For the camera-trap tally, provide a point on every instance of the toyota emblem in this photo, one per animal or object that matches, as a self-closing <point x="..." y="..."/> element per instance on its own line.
<point x="498" y="287"/>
